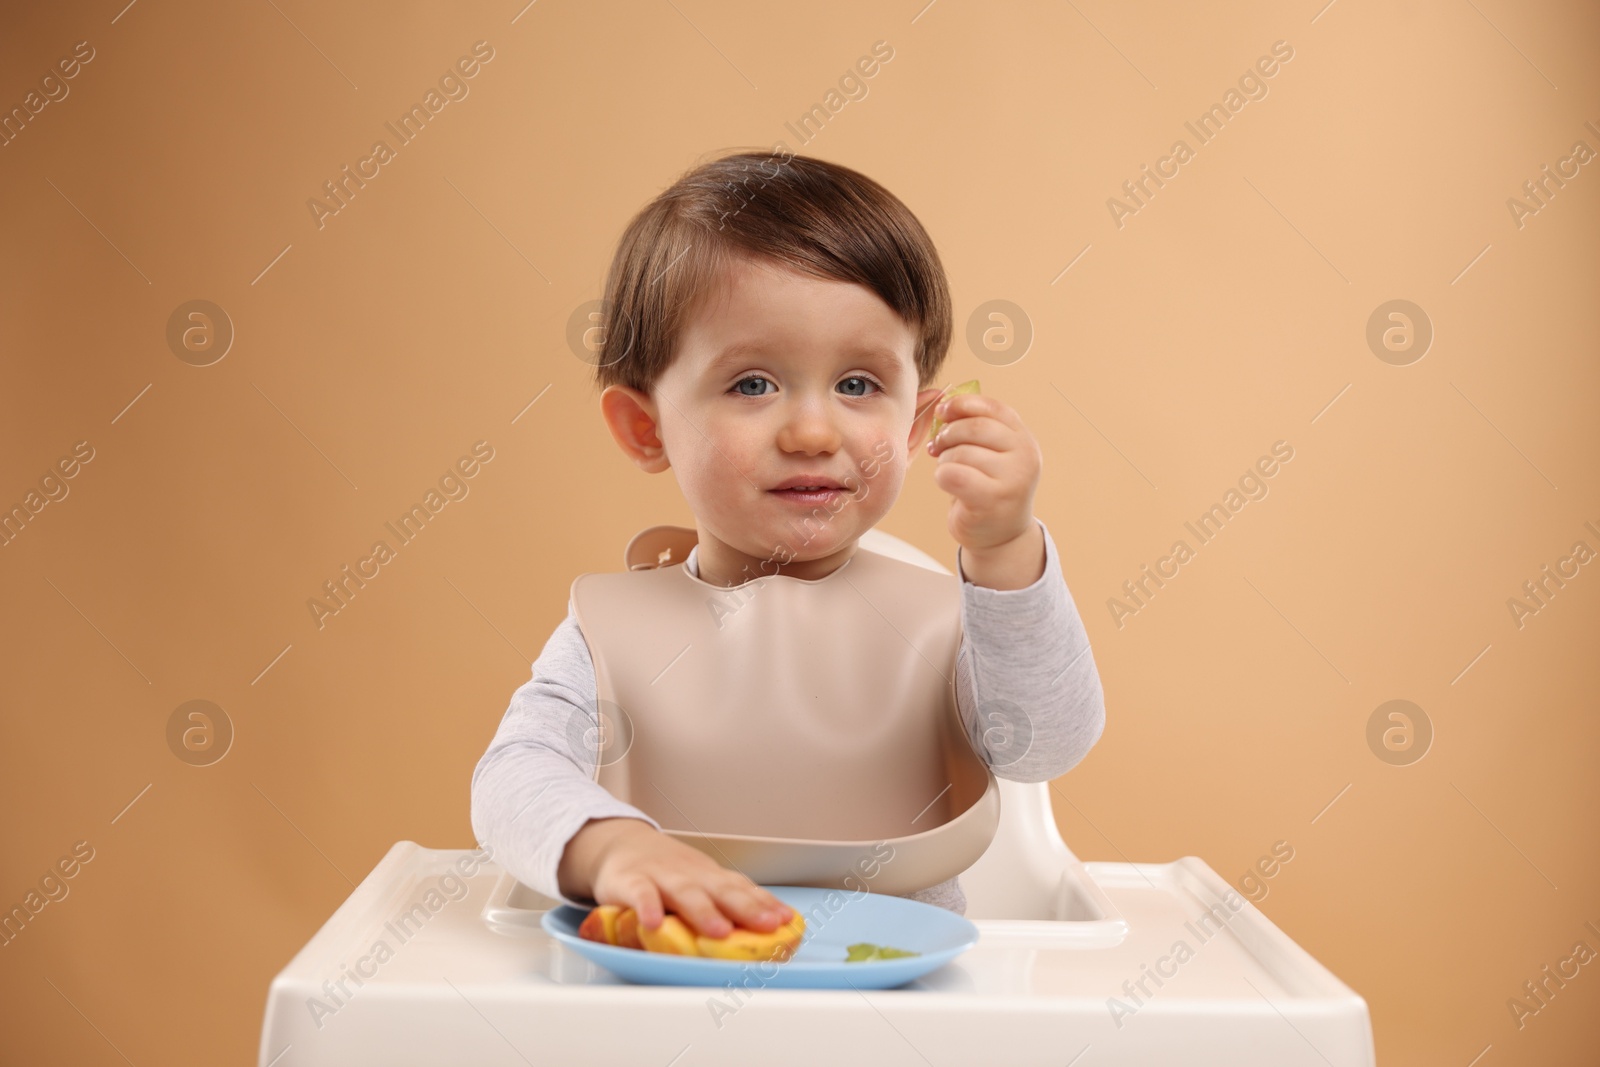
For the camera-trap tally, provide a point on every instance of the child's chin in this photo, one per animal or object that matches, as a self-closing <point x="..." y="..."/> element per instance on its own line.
<point x="822" y="547"/>
<point x="803" y="541"/>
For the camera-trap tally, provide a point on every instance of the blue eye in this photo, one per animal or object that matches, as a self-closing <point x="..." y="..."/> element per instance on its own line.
<point x="858" y="389"/>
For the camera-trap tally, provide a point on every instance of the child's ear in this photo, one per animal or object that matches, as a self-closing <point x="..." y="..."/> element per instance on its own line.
<point x="924" y="419"/>
<point x="632" y="418"/>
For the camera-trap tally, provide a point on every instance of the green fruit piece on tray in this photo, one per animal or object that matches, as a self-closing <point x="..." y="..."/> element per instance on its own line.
<point x="865" y="951"/>
<point x="964" y="387"/>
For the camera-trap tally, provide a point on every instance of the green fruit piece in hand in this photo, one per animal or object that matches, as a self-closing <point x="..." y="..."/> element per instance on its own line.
<point x="865" y="951"/>
<point x="964" y="387"/>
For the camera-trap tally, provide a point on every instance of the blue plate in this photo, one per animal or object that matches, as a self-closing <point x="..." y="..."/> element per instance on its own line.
<point x="834" y="919"/>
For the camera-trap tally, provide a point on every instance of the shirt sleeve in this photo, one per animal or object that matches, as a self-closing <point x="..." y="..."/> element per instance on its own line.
<point x="534" y="788"/>
<point x="1027" y="687"/>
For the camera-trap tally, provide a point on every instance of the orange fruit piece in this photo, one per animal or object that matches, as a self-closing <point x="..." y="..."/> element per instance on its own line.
<point x="614" y="925"/>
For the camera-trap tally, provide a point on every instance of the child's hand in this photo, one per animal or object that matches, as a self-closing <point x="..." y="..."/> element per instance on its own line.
<point x="990" y="463"/>
<point x="653" y="872"/>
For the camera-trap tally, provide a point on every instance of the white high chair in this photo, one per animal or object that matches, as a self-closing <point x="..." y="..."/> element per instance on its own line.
<point x="1070" y="970"/>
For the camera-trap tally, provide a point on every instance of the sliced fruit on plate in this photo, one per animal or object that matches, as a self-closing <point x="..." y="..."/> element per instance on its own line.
<point x="865" y="951"/>
<point x="745" y="944"/>
<point x="673" y="937"/>
<point x="614" y="925"/>
<point x="628" y="929"/>
<point x="601" y="924"/>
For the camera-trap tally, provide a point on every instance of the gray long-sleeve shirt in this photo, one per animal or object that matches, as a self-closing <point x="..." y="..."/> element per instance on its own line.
<point x="1027" y="691"/>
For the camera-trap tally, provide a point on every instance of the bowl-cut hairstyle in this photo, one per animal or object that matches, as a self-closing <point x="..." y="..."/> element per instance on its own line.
<point x="804" y="214"/>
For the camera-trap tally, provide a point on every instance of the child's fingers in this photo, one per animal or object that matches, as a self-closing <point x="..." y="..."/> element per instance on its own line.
<point x="947" y="394"/>
<point x="645" y="898"/>
<point x="978" y="430"/>
<point x="710" y="899"/>
<point x="966" y="482"/>
<point x="755" y="909"/>
<point x="966" y="405"/>
<point x="959" y="406"/>
<point x="994" y="464"/>
<point x="694" y="906"/>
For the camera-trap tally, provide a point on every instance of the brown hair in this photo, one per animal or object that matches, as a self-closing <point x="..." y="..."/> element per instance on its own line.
<point x="805" y="214"/>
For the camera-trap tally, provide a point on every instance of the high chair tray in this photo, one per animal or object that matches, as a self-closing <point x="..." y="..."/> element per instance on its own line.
<point x="420" y="967"/>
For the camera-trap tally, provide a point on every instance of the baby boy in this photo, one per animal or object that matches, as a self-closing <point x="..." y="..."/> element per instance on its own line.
<point x="774" y="328"/>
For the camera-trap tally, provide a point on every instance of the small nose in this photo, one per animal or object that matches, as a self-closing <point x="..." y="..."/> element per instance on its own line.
<point x="809" y="427"/>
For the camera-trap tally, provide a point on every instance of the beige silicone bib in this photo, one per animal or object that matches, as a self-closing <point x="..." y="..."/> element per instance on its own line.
<point x="802" y="732"/>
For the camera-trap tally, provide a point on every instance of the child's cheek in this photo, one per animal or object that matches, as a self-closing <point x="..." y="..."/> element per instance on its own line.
<point x="881" y="461"/>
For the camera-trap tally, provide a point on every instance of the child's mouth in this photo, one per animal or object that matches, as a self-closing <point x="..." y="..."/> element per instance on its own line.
<point x="809" y="497"/>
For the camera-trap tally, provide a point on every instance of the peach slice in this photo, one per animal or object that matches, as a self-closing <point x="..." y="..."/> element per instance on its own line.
<point x="601" y="924"/>
<point x="628" y="929"/>
<point x="614" y="925"/>
<point x="745" y="944"/>
<point x="673" y="937"/>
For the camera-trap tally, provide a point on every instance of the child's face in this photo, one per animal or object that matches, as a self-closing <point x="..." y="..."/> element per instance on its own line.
<point x="782" y="375"/>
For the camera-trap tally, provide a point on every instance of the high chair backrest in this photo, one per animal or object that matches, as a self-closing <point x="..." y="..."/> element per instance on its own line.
<point x="1020" y="874"/>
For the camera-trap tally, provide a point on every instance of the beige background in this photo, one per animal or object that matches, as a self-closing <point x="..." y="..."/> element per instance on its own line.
<point x="1227" y="314"/>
